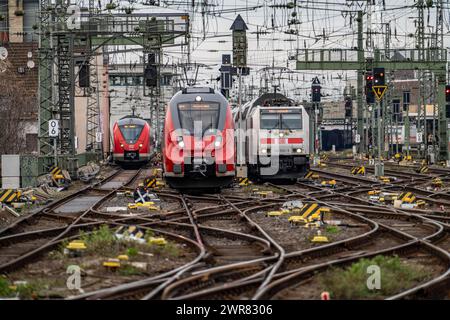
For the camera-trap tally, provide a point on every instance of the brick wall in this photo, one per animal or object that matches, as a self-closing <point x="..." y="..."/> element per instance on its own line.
<point x="18" y="57"/>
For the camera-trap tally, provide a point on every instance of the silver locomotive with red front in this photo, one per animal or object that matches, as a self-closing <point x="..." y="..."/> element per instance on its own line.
<point x="277" y="138"/>
<point x="198" y="147"/>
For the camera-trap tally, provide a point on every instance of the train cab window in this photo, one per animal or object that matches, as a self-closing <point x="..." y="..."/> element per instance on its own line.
<point x="131" y="132"/>
<point x="203" y="115"/>
<point x="291" y="121"/>
<point x="270" y="121"/>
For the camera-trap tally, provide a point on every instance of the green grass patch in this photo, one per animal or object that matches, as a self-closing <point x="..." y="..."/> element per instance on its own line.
<point x="132" y="252"/>
<point x="333" y="229"/>
<point x="168" y="250"/>
<point x="5" y="291"/>
<point x="23" y="291"/>
<point x="351" y="282"/>
<point x="128" y="270"/>
<point x="101" y="241"/>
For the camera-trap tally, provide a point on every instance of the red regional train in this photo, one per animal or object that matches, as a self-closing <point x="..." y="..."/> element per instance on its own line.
<point x="198" y="147"/>
<point x="132" y="141"/>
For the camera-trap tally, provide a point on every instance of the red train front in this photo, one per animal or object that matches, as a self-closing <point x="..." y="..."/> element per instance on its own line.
<point x="198" y="147"/>
<point x="132" y="142"/>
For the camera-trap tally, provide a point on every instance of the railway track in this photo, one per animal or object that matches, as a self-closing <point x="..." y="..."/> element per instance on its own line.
<point x="239" y="252"/>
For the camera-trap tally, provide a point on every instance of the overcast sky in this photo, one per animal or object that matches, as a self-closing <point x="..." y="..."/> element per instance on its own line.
<point x="322" y="24"/>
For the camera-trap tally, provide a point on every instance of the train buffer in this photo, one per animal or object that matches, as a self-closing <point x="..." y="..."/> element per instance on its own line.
<point x="311" y="175"/>
<point x="407" y="197"/>
<point x="325" y="157"/>
<point x="243" y="182"/>
<point x="423" y="169"/>
<point x="61" y="178"/>
<point x="359" y="171"/>
<point x="9" y="196"/>
<point x="153" y="183"/>
<point x="310" y="212"/>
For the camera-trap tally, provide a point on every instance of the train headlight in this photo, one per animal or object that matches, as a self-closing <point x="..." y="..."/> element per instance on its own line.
<point x="264" y="151"/>
<point x="299" y="150"/>
<point x="281" y="134"/>
<point x="180" y="142"/>
<point x="141" y="145"/>
<point x="218" y="141"/>
<point x="121" y="145"/>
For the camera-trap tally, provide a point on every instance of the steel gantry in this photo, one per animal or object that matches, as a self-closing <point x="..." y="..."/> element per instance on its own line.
<point x="63" y="29"/>
<point x="428" y="59"/>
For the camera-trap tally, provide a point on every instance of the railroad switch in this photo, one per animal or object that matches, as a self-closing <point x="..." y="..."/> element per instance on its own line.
<point x="278" y="213"/>
<point x="149" y="205"/>
<point x="157" y="241"/>
<point x="319" y="238"/>
<point x="329" y="184"/>
<point x="359" y="171"/>
<point x="123" y="257"/>
<point x="75" y="248"/>
<point x="112" y="264"/>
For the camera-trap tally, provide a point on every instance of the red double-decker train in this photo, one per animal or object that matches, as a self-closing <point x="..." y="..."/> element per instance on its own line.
<point x="198" y="147"/>
<point x="132" y="141"/>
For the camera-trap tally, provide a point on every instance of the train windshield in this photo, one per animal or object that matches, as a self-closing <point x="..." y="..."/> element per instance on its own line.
<point x="291" y="121"/>
<point x="270" y="121"/>
<point x="204" y="116"/>
<point x="131" y="132"/>
<point x="282" y="121"/>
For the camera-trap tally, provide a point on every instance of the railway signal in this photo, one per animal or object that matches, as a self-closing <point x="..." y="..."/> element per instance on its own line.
<point x="316" y="89"/>
<point x="379" y="77"/>
<point x="370" y="96"/>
